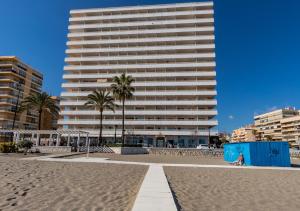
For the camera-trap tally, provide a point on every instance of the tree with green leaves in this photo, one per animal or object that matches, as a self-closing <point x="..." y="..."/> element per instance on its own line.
<point x="122" y="90"/>
<point x="40" y="102"/>
<point x="101" y="100"/>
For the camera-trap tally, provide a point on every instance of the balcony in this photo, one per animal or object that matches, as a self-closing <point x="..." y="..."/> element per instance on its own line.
<point x="140" y="15"/>
<point x="144" y="84"/>
<point x="141" y="23"/>
<point x="140" y="122"/>
<point x="141" y="57"/>
<point x="142" y="40"/>
<point x="141" y="66"/>
<point x="147" y="102"/>
<point x="191" y="74"/>
<point x="151" y="93"/>
<point x="139" y="32"/>
<point x="132" y="9"/>
<point x="142" y="48"/>
<point x="143" y="112"/>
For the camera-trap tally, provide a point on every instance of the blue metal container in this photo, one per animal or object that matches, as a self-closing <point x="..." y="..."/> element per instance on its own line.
<point x="259" y="153"/>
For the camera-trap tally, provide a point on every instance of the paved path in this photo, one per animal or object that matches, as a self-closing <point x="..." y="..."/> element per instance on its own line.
<point x="155" y="193"/>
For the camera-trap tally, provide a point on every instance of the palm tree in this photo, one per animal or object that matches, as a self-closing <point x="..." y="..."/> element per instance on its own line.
<point x="101" y="100"/>
<point x="122" y="90"/>
<point x="40" y="102"/>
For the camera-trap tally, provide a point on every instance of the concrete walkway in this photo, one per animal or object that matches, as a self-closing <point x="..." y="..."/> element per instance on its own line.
<point x="155" y="193"/>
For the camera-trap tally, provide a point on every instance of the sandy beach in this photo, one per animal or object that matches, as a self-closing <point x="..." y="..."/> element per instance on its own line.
<point x="160" y="158"/>
<point x="38" y="185"/>
<point x="234" y="189"/>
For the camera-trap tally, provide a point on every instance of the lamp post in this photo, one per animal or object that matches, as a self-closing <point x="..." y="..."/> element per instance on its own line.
<point x="18" y="85"/>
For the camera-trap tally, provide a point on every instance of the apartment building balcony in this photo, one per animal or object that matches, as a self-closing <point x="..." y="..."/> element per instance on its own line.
<point x="140" y="49"/>
<point x="140" y="57"/>
<point x="132" y="9"/>
<point x="179" y="39"/>
<point x="142" y="112"/>
<point x="144" y="84"/>
<point x="161" y="23"/>
<point x="191" y="74"/>
<point x="147" y="102"/>
<point x="141" y="122"/>
<point x="178" y="14"/>
<point x="151" y="93"/>
<point x="141" y="66"/>
<point x="139" y="32"/>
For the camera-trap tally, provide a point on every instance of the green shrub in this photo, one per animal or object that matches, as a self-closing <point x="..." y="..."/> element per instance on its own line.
<point x="8" y="147"/>
<point x="25" y="145"/>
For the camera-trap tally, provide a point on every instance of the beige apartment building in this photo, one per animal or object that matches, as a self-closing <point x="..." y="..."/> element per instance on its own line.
<point x="269" y="126"/>
<point x="244" y="134"/>
<point x="17" y="81"/>
<point x="168" y="49"/>
<point x="291" y="130"/>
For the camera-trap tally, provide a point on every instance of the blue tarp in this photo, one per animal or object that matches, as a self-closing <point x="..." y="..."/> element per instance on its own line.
<point x="259" y="153"/>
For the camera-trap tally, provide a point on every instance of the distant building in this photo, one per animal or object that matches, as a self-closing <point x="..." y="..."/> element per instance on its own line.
<point x="244" y="134"/>
<point x="290" y="128"/>
<point x="17" y="81"/>
<point x="268" y="125"/>
<point x="49" y="121"/>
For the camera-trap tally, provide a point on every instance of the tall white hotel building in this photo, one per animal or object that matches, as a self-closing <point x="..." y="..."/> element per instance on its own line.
<point x="169" y="51"/>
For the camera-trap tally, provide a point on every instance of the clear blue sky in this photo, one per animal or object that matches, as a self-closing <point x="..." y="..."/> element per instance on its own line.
<point x="257" y="46"/>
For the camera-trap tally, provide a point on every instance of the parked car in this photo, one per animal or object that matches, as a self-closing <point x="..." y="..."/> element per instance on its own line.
<point x="203" y="146"/>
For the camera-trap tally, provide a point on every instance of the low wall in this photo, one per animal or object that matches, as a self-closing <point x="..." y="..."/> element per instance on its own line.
<point x="51" y="149"/>
<point x="129" y="150"/>
<point x="187" y="152"/>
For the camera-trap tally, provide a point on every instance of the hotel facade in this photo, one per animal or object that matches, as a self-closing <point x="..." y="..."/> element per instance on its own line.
<point x="168" y="49"/>
<point x="17" y="81"/>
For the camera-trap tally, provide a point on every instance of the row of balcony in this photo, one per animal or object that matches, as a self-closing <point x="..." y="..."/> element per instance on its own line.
<point x="176" y="14"/>
<point x="141" y="66"/>
<point x="143" y="40"/>
<point x="141" y="32"/>
<point x="144" y="8"/>
<point x="140" y="122"/>
<point x="161" y="23"/>
<point x="185" y="74"/>
<point x="139" y="49"/>
<point x="143" y="112"/>
<point x="151" y="93"/>
<point x="150" y="103"/>
<point x="141" y="57"/>
<point x="142" y="84"/>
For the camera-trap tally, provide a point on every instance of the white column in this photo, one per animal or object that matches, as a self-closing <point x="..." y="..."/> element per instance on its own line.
<point x="88" y="145"/>
<point x="58" y="140"/>
<point x="78" y="141"/>
<point x="50" y="139"/>
<point x="68" y="144"/>
<point x="37" y="139"/>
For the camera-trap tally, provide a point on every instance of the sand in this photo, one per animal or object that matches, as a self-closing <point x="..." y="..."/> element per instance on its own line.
<point x="234" y="189"/>
<point x="161" y="158"/>
<point x="40" y="185"/>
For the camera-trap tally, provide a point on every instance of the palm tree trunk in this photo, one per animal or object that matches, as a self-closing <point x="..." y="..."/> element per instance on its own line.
<point x="123" y="121"/>
<point x="100" y="132"/>
<point x="39" y="125"/>
<point x="40" y="120"/>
